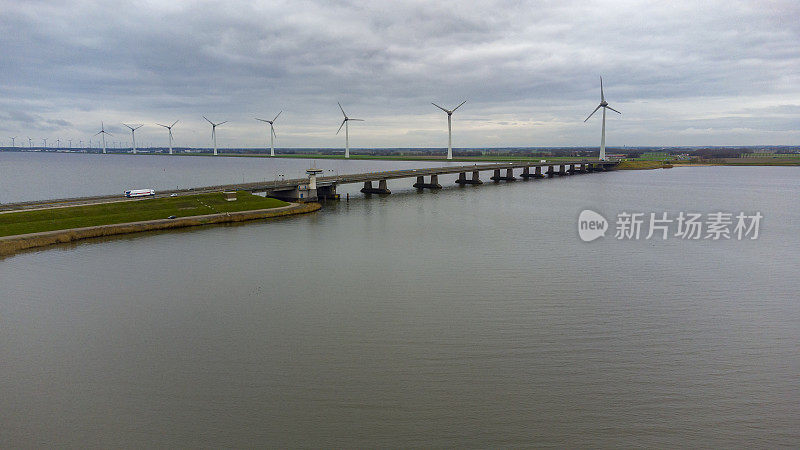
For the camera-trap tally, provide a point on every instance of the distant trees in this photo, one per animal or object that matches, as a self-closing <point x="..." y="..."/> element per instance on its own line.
<point x="713" y="153"/>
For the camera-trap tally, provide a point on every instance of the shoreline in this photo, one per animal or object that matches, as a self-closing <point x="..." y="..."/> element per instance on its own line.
<point x="10" y="245"/>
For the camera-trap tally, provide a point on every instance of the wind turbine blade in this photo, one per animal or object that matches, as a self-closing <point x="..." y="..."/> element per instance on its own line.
<point x="340" y="107"/>
<point x="204" y="117"/>
<point x="273" y="131"/>
<point x="94" y="134"/>
<point x="434" y="104"/>
<point x="161" y="125"/>
<point x="262" y="120"/>
<point x="459" y="106"/>
<point x="140" y="126"/>
<point x="590" y="115"/>
<point x="340" y="126"/>
<point x="602" y="97"/>
<point x="613" y="110"/>
<point x="357" y="120"/>
<point x="222" y="123"/>
<point x="276" y="117"/>
<point x="173" y="123"/>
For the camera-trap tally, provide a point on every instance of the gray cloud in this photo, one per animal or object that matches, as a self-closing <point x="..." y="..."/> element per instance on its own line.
<point x="529" y="70"/>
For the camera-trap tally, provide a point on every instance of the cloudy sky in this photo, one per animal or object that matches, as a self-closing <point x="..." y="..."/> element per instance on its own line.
<point x="682" y="73"/>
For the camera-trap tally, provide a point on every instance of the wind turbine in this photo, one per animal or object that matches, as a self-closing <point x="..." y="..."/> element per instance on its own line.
<point x="604" y="105"/>
<point x="80" y="143"/>
<point x="271" y="133"/>
<point x="30" y="142"/>
<point x="449" y="127"/>
<point x="169" y="128"/>
<point x="104" y="133"/>
<point x="214" y="132"/>
<point x="70" y="143"/>
<point x="12" y="141"/>
<point x="45" y="142"/>
<point x="346" y="131"/>
<point x="133" y="135"/>
<point x="58" y="143"/>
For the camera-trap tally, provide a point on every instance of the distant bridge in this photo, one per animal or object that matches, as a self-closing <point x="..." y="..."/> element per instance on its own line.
<point x="316" y="187"/>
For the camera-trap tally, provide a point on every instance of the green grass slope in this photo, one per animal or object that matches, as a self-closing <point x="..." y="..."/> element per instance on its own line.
<point x="23" y="222"/>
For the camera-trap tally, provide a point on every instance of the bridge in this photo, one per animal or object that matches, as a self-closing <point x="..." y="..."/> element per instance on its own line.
<point x="316" y="187"/>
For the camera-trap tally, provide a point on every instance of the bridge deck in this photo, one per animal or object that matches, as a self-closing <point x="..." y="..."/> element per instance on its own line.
<point x="282" y="185"/>
<point x="409" y="173"/>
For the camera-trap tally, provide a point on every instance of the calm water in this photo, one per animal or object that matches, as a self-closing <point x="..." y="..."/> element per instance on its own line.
<point x="469" y="317"/>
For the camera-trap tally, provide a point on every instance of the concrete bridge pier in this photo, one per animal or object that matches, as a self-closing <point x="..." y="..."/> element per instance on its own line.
<point x="550" y="172"/>
<point x="562" y="170"/>
<point x="462" y="178"/>
<point x="571" y="169"/>
<point x="509" y="175"/>
<point x="434" y="184"/>
<point x="381" y="189"/>
<point x="526" y="172"/>
<point x="476" y="178"/>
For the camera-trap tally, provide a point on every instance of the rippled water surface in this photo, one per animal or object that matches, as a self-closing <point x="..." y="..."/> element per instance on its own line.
<point x="468" y="317"/>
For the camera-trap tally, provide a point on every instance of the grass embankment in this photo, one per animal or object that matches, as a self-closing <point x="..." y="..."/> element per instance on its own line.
<point x="740" y="162"/>
<point x="51" y="219"/>
<point x="642" y="165"/>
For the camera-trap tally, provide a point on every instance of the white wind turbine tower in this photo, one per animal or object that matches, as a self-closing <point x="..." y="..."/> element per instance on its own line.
<point x="45" y="142"/>
<point x="214" y="132"/>
<point x="30" y="142"/>
<point x="603" y="104"/>
<point x="12" y="141"/>
<point x="346" y="131"/>
<point x="271" y="133"/>
<point x="70" y="143"/>
<point x="449" y="127"/>
<point x="58" y="143"/>
<point x="133" y="135"/>
<point x="104" y="133"/>
<point x="169" y="128"/>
